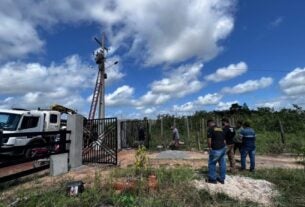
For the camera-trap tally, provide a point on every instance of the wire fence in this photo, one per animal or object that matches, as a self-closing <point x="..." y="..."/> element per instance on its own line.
<point x="277" y="132"/>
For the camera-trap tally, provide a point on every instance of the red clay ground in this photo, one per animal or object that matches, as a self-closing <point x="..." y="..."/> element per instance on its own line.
<point x="192" y="159"/>
<point x="199" y="159"/>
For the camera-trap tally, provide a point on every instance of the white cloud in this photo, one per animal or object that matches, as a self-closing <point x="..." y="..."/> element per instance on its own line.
<point x="227" y="73"/>
<point x="120" y="97"/>
<point x="114" y="72"/>
<point x="221" y="106"/>
<point x="187" y="107"/>
<point x="18" y="37"/>
<point x="271" y="104"/>
<point x="152" y="99"/>
<point x="249" y="86"/>
<point x="6" y="103"/>
<point x="20" y="78"/>
<point x="33" y="100"/>
<point x="209" y="99"/>
<point x="33" y="85"/>
<point x="168" y="31"/>
<point x="192" y="29"/>
<point x="277" y="22"/>
<point x="149" y="111"/>
<point x="177" y="84"/>
<point x="294" y="82"/>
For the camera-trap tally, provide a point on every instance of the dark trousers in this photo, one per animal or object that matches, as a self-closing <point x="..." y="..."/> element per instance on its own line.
<point x="237" y="146"/>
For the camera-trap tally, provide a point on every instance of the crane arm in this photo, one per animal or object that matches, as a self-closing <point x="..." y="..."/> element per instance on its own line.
<point x="62" y="109"/>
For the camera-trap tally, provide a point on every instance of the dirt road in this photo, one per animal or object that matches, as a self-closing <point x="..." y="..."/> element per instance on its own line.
<point x="200" y="159"/>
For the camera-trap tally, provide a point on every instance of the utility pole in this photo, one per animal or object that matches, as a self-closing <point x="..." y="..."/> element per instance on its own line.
<point x="99" y="89"/>
<point x="100" y="61"/>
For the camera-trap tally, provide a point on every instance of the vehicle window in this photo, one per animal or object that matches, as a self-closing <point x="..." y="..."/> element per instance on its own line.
<point x="29" y="122"/>
<point x="53" y="118"/>
<point x="9" y="121"/>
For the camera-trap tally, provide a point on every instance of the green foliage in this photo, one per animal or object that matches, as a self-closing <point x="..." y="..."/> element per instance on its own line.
<point x="175" y="176"/>
<point x="265" y="121"/>
<point x="125" y="200"/>
<point x="141" y="159"/>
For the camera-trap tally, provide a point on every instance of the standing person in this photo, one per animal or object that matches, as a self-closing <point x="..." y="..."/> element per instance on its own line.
<point x="141" y="135"/>
<point x="248" y="146"/>
<point x="217" y="153"/>
<point x="176" y="137"/>
<point x="237" y="139"/>
<point x="229" y="134"/>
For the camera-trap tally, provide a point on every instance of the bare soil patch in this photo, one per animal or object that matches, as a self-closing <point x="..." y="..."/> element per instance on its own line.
<point x="200" y="159"/>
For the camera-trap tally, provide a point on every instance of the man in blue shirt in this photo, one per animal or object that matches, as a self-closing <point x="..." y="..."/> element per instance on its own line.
<point x="217" y="153"/>
<point x="248" y="137"/>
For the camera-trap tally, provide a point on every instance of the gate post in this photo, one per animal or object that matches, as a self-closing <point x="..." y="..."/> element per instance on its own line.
<point x="75" y="125"/>
<point x="119" y="134"/>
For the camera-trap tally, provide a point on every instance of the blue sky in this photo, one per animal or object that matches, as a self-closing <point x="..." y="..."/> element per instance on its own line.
<point x="174" y="56"/>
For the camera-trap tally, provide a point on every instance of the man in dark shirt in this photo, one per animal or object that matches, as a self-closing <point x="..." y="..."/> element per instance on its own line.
<point x="248" y="146"/>
<point x="217" y="153"/>
<point x="229" y="133"/>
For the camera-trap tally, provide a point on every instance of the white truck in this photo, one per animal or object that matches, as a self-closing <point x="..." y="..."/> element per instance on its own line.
<point x="20" y="121"/>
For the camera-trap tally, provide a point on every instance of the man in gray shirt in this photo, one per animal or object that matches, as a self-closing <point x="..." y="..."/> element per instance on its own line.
<point x="175" y="136"/>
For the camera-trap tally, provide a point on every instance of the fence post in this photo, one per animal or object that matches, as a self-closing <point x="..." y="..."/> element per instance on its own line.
<point x="198" y="140"/>
<point x="204" y="132"/>
<point x="162" y="137"/>
<point x="282" y="131"/>
<point x="146" y="121"/>
<point x="119" y="134"/>
<point x="149" y="132"/>
<point x="75" y="125"/>
<point x="187" y="131"/>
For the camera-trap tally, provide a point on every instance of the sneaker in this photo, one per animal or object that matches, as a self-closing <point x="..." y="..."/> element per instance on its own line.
<point x="211" y="181"/>
<point x="220" y="181"/>
<point x="252" y="170"/>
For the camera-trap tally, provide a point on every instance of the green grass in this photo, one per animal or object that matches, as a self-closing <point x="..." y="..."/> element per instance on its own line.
<point x="174" y="190"/>
<point x="289" y="182"/>
<point x="270" y="143"/>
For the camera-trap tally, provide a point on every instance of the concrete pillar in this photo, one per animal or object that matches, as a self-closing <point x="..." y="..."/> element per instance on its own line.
<point x="119" y="134"/>
<point x="75" y="125"/>
<point x="58" y="164"/>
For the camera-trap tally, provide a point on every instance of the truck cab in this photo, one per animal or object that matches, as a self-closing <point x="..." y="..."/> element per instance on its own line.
<point x="20" y="121"/>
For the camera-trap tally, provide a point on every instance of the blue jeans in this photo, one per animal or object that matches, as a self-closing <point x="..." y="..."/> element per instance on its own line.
<point x="245" y="150"/>
<point x="214" y="157"/>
